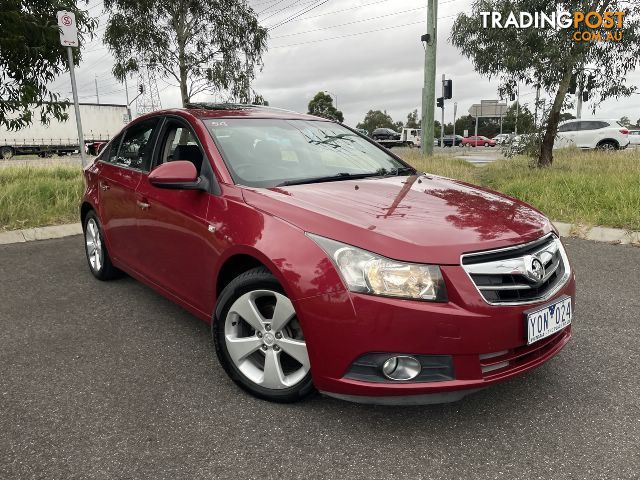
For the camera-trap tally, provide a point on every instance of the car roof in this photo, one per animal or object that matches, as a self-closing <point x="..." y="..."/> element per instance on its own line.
<point x="610" y="120"/>
<point x="236" y="110"/>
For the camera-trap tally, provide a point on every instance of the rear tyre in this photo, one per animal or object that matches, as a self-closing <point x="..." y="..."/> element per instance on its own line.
<point x="6" y="153"/>
<point x="608" y="145"/>
<point x="259" y="341"/>
<point x="96" y="250"/>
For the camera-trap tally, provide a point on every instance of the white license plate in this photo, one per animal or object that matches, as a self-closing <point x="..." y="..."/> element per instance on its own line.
<point x="548" y="320"/>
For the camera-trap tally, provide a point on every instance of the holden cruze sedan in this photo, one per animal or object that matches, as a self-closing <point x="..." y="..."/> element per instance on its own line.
<point x="322" y="261"/>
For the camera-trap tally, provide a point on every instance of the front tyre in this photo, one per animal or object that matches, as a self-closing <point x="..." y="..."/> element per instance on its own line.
<point x="96" y="250"/>
<point x="259" y="341"/>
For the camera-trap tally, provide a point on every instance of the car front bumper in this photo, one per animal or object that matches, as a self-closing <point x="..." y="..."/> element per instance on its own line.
<point x="486" y="343"/>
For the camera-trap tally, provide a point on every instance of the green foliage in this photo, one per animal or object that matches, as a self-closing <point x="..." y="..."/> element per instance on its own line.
<point x="31" y="57"/>
<point x="322" y="106"/>
<point x="377" y="119"/>
<point x="205" y="46"/>
<point x="549" y="57"/>
<point x="413" y="121"/>
<point x="625" y="121"/>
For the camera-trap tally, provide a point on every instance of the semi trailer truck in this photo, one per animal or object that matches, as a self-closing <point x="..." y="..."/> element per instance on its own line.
<point x="99" y="124"/>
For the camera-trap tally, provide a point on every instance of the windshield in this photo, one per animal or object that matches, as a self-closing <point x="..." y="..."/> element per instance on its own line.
<point x="272" y="152"/>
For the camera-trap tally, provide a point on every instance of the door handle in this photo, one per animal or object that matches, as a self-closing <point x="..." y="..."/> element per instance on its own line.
<point x="104" y="186"/>
<point x="143" y="205"/>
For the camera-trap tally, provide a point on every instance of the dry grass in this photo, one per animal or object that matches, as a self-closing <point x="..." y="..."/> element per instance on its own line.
<point x="34" y="197"/>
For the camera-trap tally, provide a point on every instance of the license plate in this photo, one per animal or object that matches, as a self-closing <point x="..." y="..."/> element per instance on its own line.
<point x="548" y="320"/>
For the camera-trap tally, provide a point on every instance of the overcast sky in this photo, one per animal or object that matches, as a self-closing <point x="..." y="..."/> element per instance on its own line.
<point x="367" y="53"/>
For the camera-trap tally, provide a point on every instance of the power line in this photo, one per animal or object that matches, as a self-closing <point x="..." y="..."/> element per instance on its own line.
<point x="357" y="34"/>
<point x="297" y="15"/>
<point x="349" y="23"/>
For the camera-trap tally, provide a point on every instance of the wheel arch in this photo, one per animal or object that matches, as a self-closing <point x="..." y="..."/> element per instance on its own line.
<point x="608" y="140"/>
<point x="85" y="208"/>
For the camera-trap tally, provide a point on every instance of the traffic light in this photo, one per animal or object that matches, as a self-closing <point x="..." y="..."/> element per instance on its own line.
<point x="440" y="102"/>
<point x="591" y="83"/>
<point x="573" y="86"/>
<point x="448" y="88"/>
<point x="512" y="97"/>
<point x="585" y="96"/>
<point x="141" y="88"/>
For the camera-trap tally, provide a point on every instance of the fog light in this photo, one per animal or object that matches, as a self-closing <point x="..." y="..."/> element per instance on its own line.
<point x="401" y="368"/>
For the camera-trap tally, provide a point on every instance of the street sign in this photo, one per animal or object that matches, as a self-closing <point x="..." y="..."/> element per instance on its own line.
<point x="68" y="29"/>
<point x="488" y="108"/>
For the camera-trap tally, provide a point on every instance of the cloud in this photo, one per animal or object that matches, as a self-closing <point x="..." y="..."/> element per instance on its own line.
<point x="382" y="70"/>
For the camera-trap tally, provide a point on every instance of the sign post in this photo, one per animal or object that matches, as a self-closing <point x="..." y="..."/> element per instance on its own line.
<point x="69" y="40"/>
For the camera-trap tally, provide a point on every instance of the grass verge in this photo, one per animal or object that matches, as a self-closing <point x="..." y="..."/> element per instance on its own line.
<point x="39" y="196"/>
<point x="590" y="188"/>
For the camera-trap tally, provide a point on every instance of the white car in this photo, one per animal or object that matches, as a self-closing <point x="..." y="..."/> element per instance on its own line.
<point x="501" y="138"/>
<point x="591" y="134"/>
<point x="634" y="138"/>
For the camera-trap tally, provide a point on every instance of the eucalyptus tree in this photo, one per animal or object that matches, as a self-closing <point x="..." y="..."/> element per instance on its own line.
<point x="202" y="46"/>
<point x="551" y="57"/>
<point x="31" y="58"/>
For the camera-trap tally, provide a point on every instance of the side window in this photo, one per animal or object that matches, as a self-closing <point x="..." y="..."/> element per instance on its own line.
<point x="109" y="154"/>
<point x="180" y="143"/>
<point x="591" y="125"/>
<point x="569" y="127"/>
<point x="137" y="145"/>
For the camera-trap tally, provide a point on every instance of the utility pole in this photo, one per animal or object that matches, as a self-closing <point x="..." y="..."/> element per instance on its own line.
<point x="126" y="92"/>
<point x="517" y="108"/>
<point x="429" y="89"/>
<point x="97" y="95"/>
<point x="442" y="120"/>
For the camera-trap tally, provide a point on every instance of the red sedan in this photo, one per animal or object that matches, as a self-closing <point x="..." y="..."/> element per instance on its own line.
<point x="478" y="141"/>
<point x="324" y="262"/>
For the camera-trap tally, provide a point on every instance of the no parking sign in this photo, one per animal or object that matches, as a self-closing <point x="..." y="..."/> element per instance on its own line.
<point x="68" y="29"/>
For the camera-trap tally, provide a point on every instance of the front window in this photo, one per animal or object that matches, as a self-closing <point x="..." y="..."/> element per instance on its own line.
<point x="272" y="152"/>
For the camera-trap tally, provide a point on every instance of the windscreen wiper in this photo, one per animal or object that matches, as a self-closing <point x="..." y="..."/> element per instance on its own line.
<point x="329" y="178"/>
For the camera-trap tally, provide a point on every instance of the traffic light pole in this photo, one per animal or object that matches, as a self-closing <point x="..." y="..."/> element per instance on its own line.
<point x="429" y="88"/>
<point x="580" y="92"/>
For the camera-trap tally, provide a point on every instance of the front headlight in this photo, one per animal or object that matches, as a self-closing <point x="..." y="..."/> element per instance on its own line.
<point x="366" y="272"/>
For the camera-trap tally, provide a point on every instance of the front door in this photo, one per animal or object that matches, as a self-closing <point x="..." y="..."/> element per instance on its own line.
<point x="177" y="246"/>
<point x="120" y="172"/>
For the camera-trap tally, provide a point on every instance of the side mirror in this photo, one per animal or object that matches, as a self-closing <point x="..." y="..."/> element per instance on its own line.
<point x="177" y="175"/>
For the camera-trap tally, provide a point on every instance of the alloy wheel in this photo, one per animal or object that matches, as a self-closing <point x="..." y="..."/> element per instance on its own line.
<point x="264" y="340"/>
<point x="94" y="245"/>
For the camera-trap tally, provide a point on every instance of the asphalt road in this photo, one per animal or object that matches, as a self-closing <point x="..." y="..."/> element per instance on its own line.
<point x="110" y="380"/>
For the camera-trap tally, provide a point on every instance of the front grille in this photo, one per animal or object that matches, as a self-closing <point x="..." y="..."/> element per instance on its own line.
<point x="496" y="364"/>
<point x="507" y="275"/>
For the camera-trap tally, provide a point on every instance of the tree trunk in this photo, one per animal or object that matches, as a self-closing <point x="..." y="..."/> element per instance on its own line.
<point x="546" y="150"/>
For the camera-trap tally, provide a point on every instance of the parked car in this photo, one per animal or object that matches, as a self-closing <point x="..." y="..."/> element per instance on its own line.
<point x="592" y="134"/>
<point x="502" y="138"/>
<point x="449" y="140"/>
<point x="385" y="134"/>
<point x="634" y="138"/>
<point x="324" y="262"/>
<point x="479" y="141"/>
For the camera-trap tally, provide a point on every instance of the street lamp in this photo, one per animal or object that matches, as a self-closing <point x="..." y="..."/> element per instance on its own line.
<point x="334" y="95"/>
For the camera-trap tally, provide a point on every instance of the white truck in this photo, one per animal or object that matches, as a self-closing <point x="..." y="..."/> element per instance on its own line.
<point x="408" y="137"/>
<point x="99" y="124"/>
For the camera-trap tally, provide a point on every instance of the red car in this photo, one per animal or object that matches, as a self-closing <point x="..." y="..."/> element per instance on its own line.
<point x="478" y="141"/>
<point x="323" y="261"/>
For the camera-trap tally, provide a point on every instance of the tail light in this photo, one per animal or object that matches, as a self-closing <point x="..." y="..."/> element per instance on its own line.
<point x="624" y="131"/>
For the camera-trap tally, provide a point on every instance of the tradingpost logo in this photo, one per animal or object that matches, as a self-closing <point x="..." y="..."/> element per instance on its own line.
<point x="587" y="26"/>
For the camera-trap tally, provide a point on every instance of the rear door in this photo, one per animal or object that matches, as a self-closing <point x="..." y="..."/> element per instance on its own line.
<point x="567" y="134"/>
<point x="120" y="173"/>
<point x="178" y="252"/>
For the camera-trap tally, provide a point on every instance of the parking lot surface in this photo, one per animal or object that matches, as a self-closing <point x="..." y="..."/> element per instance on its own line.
<point x="111" y="380"/>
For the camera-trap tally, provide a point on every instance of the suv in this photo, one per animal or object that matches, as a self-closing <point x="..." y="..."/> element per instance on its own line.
<point x="592" y="134"/>
<point x="385" y="134"/>
<point x="322" y="261"/>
